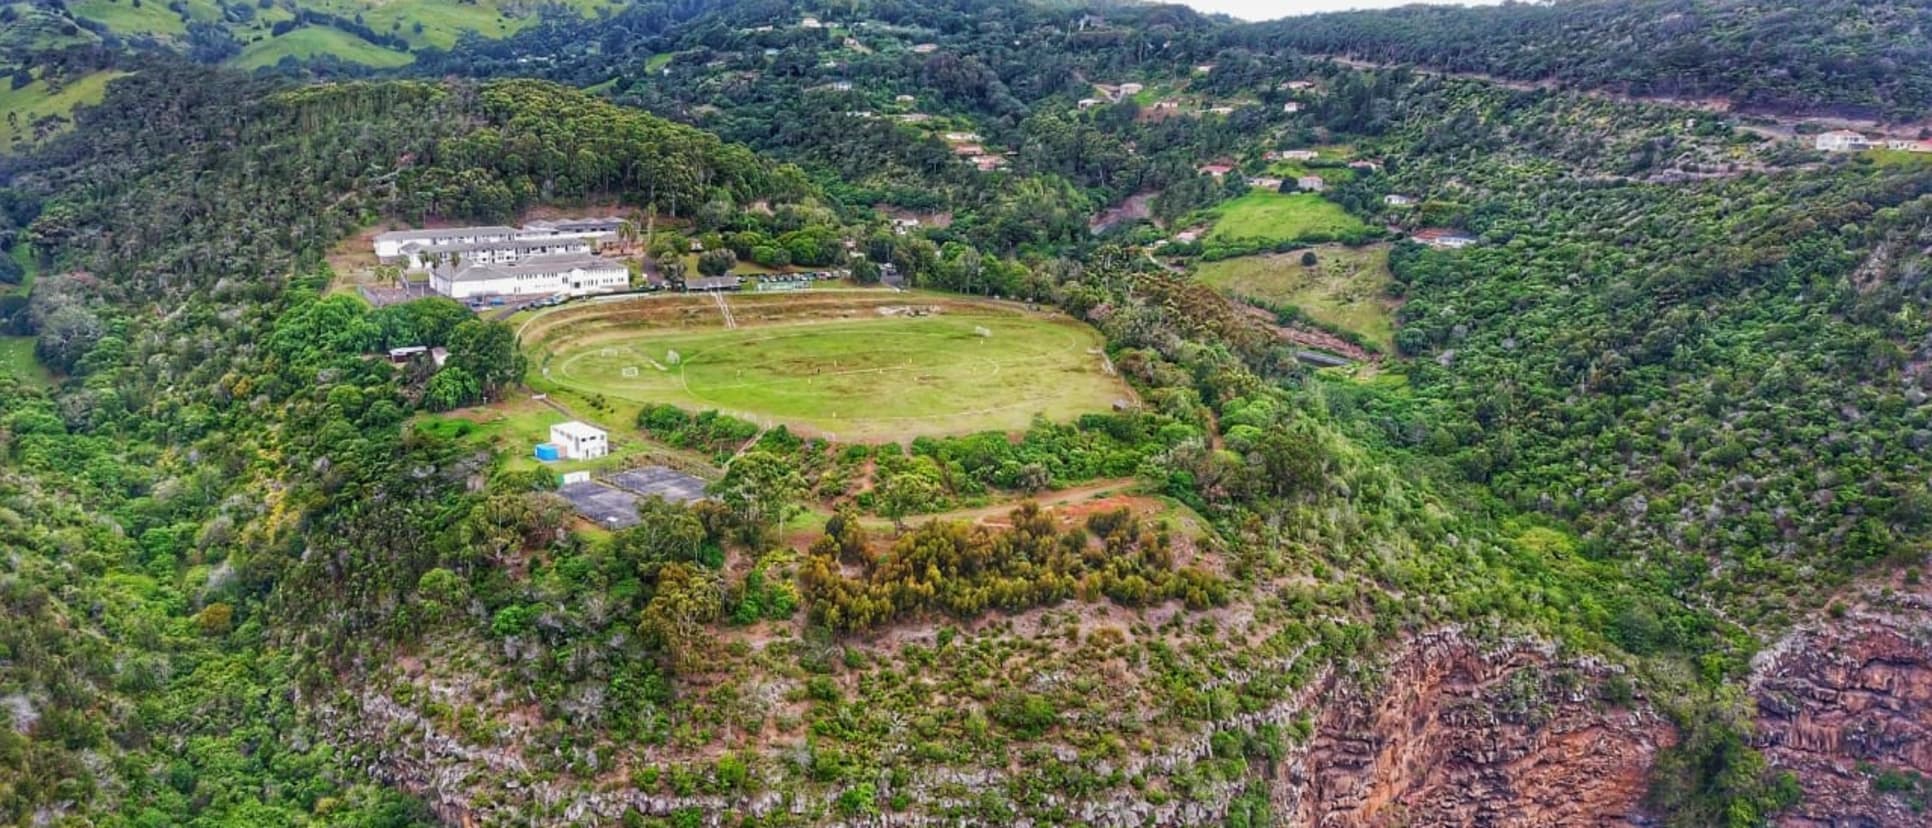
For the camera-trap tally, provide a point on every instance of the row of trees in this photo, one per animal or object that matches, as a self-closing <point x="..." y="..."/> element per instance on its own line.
<point x="963" y="570"/>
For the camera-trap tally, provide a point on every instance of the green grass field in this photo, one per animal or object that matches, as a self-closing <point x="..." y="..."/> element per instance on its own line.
<point x="1344" y="288"/>
<point x="1899" y="158"/>
<point x="857" y="376"/>
<point x="17" y="359"/>
<point x="310" y="41"/>
<point x="1268" y="217"/>
<point x="34" y="101"/>
<point x="124" y="17"/>
<point x="29" y="270"/>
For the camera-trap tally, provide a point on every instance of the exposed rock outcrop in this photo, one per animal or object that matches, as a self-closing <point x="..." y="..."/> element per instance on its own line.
<point x="1847" y="703"/>
<point x="1459" y="735"/>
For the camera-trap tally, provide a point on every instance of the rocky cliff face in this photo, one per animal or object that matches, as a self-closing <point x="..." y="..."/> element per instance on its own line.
<point x="1456" y="734"/>
<point x="1847" y="706"/>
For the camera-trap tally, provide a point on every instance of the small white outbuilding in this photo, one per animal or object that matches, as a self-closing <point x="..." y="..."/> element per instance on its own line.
<point x="577" y="440"/>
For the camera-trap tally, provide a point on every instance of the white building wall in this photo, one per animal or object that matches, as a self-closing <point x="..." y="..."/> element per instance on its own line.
<point x="576" y="281"/>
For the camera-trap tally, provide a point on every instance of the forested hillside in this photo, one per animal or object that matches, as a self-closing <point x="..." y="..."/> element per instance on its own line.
<point x="1459" y="449"/>
<point x="1845" y="57"/>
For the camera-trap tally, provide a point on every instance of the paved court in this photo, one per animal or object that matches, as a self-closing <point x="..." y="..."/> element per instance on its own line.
<point x="670" y="484"/>
<point x="607" y="507"/>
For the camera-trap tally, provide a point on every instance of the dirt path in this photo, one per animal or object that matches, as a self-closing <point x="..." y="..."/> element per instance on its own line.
<point x="1132" y="208"/>
<point x="1062" y="497"/>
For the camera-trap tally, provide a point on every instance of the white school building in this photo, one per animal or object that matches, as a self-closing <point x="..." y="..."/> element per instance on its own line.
<point x="390" y="245"/>
<point x="543" y="275"/>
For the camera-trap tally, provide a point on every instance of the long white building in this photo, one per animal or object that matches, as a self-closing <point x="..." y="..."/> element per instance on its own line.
<point x="390" y="245"/>
<point x="541" y="275"/>
<point x="421" y="256"/>
<point x="596" y="229"/>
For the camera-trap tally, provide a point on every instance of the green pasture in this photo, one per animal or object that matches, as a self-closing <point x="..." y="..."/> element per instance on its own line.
<point x="1268" y="217"/>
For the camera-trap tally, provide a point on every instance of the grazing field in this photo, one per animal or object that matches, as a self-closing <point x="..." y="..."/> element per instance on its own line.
<point x="35" y="101"/>
<point x="125" y="18"/>
<point x="1344" y="288"/>
<point x="310" y="41"/>
<point x="1269" y="217"/>
<point x="856" y="366"/>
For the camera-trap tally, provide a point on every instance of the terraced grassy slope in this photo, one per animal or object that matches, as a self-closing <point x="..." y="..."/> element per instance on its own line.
<point x="1344" y="288"/>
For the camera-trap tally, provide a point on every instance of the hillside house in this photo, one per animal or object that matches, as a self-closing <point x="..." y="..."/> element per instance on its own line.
<point x="1906" y="145"/>
<point x="1088" y="103"/>
<point x="1216" y="169"/>
<point x="539" y="276"/>
<point x="577" y="440"/>
<point x="1130" y="89"/>
<point x="1291" y="107"/>
<point x="925" y="48"/>
<point x="1167" y="105"/>
<point x="1395" y="200"/>
<point x="1298" y="86"/>
<point x="1262" y="182"/>
<point x="904" y="99"/>
<point x="961" y="137"/>
<point x="1441" y="238"/>
<point x="1842" y="140"/>
<point x="810" y="23"/>
<point x="988" y="163"/>
<point x="1311" y="183"/>
<point x="389" y="245"/>
<point x="968" y="149"/>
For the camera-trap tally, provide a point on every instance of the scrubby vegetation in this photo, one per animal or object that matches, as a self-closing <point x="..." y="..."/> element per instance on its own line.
<point x="1670" y="399"/>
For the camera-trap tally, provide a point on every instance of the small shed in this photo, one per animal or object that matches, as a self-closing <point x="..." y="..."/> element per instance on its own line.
<point x="578" y="440"/>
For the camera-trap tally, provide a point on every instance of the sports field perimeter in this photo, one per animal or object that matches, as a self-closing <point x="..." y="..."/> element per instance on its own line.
<point x="852" y="367"/>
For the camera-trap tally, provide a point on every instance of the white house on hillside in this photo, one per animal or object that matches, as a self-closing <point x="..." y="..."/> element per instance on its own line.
<point x="1843" y="140"/>
<point x="577" y="440"/>
<point x="541" y="275"/>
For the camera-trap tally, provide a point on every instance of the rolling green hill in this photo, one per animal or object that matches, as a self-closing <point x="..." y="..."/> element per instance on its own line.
<point x="28" y="106"/>
<point x="256" y="34"/>
<point x="313" y="41"/>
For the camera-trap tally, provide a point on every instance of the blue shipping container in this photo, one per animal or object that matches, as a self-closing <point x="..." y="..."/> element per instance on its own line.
<point x="547" y="452"/>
